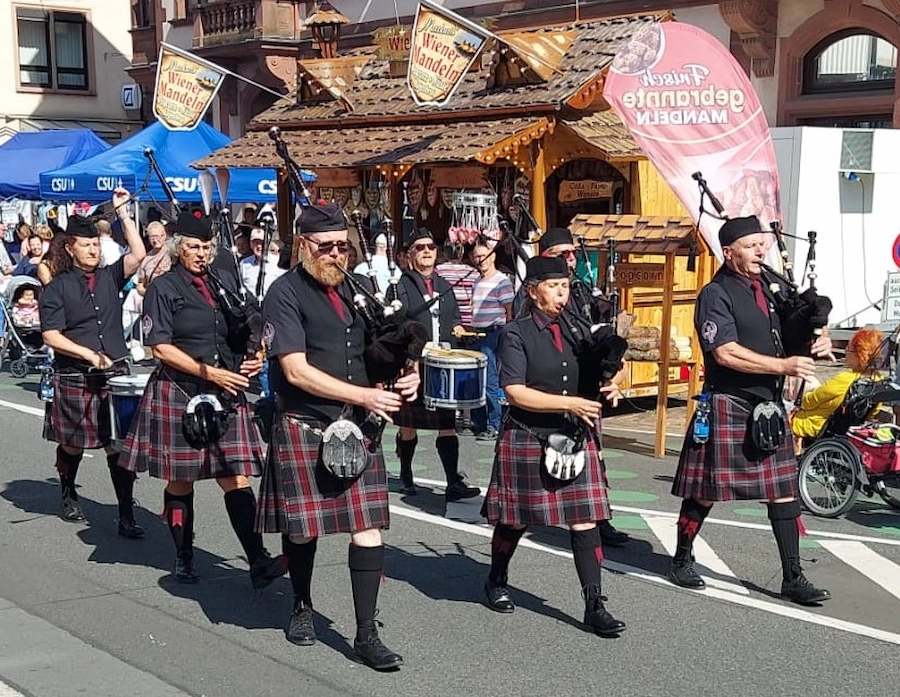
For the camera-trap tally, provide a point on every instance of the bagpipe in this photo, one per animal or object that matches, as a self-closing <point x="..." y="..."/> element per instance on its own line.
<point x="601" y="306"/>
<point x="803" y="314"/>
<point x="599" y="350"/>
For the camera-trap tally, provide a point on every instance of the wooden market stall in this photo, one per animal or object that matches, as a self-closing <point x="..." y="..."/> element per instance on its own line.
<point x="662" y="264"/>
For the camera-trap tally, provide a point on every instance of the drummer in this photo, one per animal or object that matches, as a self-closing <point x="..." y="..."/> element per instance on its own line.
<point x="81" y="320"/>
<point x="194" y="421"/>
<point x="537" y="366"/>
<point x="429" y="299"/>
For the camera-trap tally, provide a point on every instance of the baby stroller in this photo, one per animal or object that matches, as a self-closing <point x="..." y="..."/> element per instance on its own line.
<point x="22" y="342"/>
<point x="851" y="455"/>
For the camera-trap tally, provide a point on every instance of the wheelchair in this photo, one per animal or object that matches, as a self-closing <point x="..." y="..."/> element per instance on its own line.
<point x="848" y="457"/>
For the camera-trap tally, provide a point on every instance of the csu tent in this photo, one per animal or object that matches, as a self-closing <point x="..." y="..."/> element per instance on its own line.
<point x="93" y="180"/>
<point x="24" y="156"/>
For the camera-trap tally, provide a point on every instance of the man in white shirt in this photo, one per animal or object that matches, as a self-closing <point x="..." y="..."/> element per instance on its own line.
<point x="379" y="264"/>
<point x="251" y="265"/>
<point x="110" y="251"/>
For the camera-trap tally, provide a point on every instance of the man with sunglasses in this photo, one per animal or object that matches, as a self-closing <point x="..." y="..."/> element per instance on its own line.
<point x="311" y="325"/>
<point x="429" y="299"/>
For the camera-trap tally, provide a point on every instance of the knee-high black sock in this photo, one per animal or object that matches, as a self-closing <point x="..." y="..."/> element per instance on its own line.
<point x="179" y="511"/>
<point x="366" y="566"/>
<point x="587" y="549"/>
<point x="300" y="566"/>
<point x="448" y="451"/>
<point x="690" y="520"/>
<point x="67" y="466"/>
<point x="503" y="545"/>
<point x="784" y="518"/>
<point x="241" y="507"/>
<point x="123" y="484"/>
<point x="405" y="451"/>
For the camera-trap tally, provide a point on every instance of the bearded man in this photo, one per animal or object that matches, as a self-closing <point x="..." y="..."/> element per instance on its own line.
<point x="318" y="338"/>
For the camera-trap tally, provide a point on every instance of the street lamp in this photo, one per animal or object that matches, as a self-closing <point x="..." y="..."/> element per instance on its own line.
<point x="325" y="25"/>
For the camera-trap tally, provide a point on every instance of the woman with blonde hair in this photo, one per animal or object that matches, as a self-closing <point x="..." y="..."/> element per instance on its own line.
<point x="862" y="358"/>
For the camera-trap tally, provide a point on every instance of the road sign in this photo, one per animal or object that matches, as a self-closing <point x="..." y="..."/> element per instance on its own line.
<point x="895" y="250"/>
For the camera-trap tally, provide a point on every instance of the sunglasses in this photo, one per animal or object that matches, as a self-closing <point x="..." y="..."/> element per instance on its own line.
<point x="431" y="246"/>
<point x="325" y="247"/>
<point x="566" y="253"/>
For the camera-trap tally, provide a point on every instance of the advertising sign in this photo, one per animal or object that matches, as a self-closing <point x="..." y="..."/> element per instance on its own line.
<point x="185" y="87"/>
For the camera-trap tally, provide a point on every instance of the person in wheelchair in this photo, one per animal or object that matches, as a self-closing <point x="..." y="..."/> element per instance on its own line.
<point x="862" y="358"/>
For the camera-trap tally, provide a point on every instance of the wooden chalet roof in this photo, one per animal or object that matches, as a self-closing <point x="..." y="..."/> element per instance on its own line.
<point x="606" y="131"/>
<point x="381" y="102"/>
<point x="635" y="233"/>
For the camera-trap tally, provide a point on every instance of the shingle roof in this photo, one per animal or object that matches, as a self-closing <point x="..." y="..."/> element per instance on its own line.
<point x="635" y="233"/>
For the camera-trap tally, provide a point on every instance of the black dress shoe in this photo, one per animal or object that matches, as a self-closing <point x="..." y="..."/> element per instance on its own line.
<point x="802" y="592"/>
<point x="459" y="490"/>
<point x="184" y="569"/>
<point x="130" y="530"/>
<point x="300" y="630"/>
<point x="408" y="488"/>
<point x="683" y="574"/>
<point x="371" y="651"/>
<point x="610" y="536"/>
<point x="498" y="597"/>
<point x="599" y="621"/>
<point x="266" y="569"/>
<point x="70" y="510"/>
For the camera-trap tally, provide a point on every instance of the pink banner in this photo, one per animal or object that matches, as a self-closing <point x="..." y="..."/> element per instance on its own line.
<point x="691" y="108"/>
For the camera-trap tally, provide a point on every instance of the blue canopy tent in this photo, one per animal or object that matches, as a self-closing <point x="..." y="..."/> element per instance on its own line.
<point x="24" y="156"/>
<point x="93" y="180"/>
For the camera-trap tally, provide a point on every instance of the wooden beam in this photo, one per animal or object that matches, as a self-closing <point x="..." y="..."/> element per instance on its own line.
<point x="659" y="446"/>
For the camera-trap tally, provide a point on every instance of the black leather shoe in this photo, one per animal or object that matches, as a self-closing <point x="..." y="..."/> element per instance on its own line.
<point x="375" y="654"/>
<point x="498" y="597"/>
<point x="460" y="490"/>
<point x="802" y="592"/>
<point x="610" y="536"/>
<point x="683" y="574"/>
<point x="599" y="621"/>
<point x="130" y="530"/>
<point x="408" y="488"/>
<point x="184" y="569"/>
<point x="70" y="510"/>
<point x="300" y="630"/>
<point x="266" y="569"/>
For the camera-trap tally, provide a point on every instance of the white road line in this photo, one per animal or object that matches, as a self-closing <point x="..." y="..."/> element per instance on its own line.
<point x="634" y="572"/>
<point x="872" y="565"/>
<point x="33" y="411"/>
<point x="708" y="564"/>
<point x="7" y="691"/>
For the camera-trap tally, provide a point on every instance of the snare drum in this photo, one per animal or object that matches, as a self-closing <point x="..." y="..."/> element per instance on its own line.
<point x="125" y="396"/>
<point x="453" y="378"/>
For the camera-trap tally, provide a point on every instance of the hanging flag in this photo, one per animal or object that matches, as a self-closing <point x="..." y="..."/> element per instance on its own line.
<point x="691" y="108"/>
<point x="185" y="87"/>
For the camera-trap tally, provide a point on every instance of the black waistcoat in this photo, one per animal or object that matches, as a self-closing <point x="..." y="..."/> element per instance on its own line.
<point x="755" y="332"/>
<point x="412" y="294"/>
<point x="547" y="370"/>
<point x="333" y="345"/>
<point x="198" y="329"/>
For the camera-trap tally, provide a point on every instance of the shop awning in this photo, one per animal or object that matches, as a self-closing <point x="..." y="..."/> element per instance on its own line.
<point x="636" y="234"/>
<point x="463" y="141"/>
<point x="606" y="132"/>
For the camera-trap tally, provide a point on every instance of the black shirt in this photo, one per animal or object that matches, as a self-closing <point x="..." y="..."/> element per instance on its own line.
<point x="176" y="313"/>
<point x="411" y="291"/>
<point x="91" y="318"/>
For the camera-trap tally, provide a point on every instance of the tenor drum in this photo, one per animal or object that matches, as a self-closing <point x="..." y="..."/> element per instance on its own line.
<point x="125" y="396"/>
<point x="454" y="379"/>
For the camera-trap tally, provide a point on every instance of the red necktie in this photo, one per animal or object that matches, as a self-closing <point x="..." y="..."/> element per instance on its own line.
<point x="200" y="284"/>
<point x="335" y="299"/>
<point x="429" y="289"/>
<point x="557" y="336"/>
<point x="759" y="296"/>
<point x="91" y="281"/>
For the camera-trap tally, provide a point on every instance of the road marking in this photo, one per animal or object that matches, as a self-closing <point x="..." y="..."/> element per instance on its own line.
<point x="33" y="411"/>
<point x="635" y="572"/>
<point x="7" y="691"/>
<point x="872" y="565"/>
<point x="708" y="564"/>
<point x="639" y="431"/>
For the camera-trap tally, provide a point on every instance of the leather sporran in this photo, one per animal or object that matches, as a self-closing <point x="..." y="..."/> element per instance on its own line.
<point x="564" y="457"/>
<point x="767" y="426"/>
<point x="343" y="450"/>
<point x="204" y="421"/>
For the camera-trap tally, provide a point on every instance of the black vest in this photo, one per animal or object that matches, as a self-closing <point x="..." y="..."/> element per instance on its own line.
<point x="411" y="291"/>
<point x="755" y="332"/>
<point x="198" y="329"/>
<point x="333" y="345"/>
<point x="547" y="370"/>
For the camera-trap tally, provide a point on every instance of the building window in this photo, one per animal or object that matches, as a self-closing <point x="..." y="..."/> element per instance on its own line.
<point x="53" y="52"/>
<point x="850" y="61"/>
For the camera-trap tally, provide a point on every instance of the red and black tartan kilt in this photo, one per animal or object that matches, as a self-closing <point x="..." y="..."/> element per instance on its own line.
<point x="728" y="466"/>
<point x="521" y="491"/>
<point x="415" y="415"/>
<point x="78" y="416"/>
<point x="155" y="442"/>
<point x="298" y="496"/>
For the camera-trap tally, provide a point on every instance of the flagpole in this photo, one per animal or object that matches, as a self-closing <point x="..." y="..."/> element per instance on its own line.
<point x="194" y="57"/>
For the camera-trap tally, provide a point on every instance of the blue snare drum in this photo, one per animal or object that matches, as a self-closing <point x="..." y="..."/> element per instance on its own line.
<point x="454" y="378"/>
<point x="125" y="396"/>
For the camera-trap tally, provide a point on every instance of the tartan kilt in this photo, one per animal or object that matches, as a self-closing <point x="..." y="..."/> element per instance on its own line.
<point x="78" y="416"/>
<point x="728" y="466"/>
<point x="521" y="491"/>
<point x="415" y="415"/>
<point x="298" y="496"/>
<point x="155" y="442"/>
